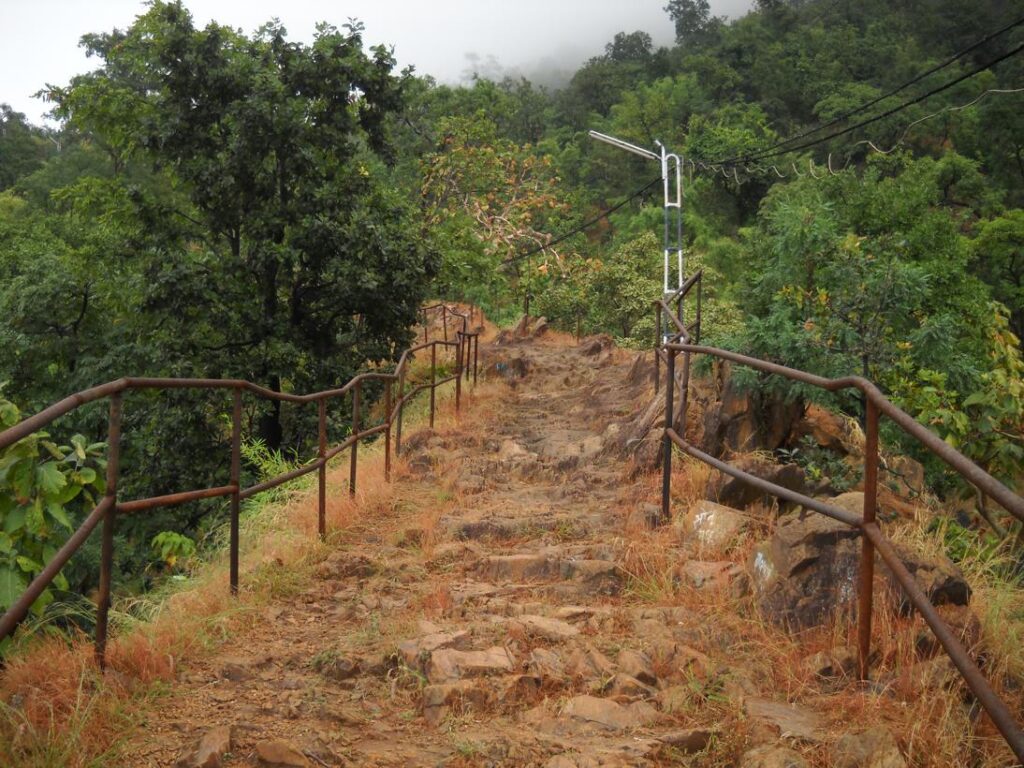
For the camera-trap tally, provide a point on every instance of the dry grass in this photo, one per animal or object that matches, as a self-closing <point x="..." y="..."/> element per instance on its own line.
<point x="57" y="709"/>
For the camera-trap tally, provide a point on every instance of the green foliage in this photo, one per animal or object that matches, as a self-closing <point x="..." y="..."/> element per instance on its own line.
<point x="44" y="487"/>
<point x="172" y="547"/>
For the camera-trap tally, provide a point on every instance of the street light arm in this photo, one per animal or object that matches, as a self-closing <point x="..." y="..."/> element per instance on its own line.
<point x="619" y="143"/>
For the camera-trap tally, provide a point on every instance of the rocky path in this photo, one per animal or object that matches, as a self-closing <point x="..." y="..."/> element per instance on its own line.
<point x="508" y="607"/>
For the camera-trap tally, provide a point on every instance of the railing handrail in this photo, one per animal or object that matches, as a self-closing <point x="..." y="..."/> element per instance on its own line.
<point x="873" y="539"/>
<point x="978" y="477"/>
<point x="466" y="344"/>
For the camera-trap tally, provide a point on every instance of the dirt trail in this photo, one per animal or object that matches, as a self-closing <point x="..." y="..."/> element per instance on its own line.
<point x="502" y="609"/>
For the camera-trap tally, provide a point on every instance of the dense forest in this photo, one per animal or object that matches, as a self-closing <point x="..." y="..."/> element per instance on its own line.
<point x="218" y="204"/>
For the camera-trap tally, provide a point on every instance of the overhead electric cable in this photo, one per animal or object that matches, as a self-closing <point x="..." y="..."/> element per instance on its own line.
<point x="740" y="159"/>
<point x="585" y="225"/>
<point x="903" y="86"/>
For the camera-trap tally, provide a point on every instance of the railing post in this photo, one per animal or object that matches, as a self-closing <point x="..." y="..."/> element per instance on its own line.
<point x="657" y="349"/>
<point x="387" y="431"/>
<point x="867" y="552"/>
<point x="236" y="480"/>
<point x="353" y="460"/>
<point x="433" y="380"/>
<point x="107" y="545"/>
<point x="321" y="515"/>
<point x="666" y="460"/>
<point x="401" y="411"/>
<point x="458" y="374"/>
<point x="476" y="356"/>
<point x="700" y="302"/>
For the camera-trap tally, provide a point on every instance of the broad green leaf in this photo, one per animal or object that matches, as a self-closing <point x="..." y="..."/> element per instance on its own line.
<point x="57" y="513"/>
<point x="50" y="479"/>
<point x="14" y="520"/>
<point x="27" y="564"/>
<point x="11" y="586"/>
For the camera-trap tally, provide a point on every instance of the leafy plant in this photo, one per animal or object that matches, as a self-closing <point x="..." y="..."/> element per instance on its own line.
<point x="44" y="487"/>
<point x="172" y="547"/>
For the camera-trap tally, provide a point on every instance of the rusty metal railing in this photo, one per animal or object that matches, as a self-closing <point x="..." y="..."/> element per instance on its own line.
<point x="873" y="539"/>
<point x="110" y="507"/>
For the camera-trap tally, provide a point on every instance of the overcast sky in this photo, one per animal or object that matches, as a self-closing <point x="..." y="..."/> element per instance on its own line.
<point x="41" y="36"/>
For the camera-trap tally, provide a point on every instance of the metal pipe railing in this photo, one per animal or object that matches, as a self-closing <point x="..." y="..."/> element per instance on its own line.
<point x="109" y="508"/>
<point x="873" y="540"/>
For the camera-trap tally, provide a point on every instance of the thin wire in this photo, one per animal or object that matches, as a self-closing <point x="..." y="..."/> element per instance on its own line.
<point x="883" y="115"/>
<point x="913" y="81"/>
<point x="585" y="225"/>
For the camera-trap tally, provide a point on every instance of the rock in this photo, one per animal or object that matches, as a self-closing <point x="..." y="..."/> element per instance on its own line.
<point x="738" y="421"/>
<point x="806" y="570"/>
<point x="714" y="525"/>
<point x="596" y="345"/>
<point x="687" y="741"/>
<point x="905" y="477"/>
<point x="637" y="665"/>
<point x="787" y="720"/>
<point x="937" y="576"/>
<point x="715" y="576"/>
<point x="522" y="327"/>
<point x="235" y="669"/>
<point x="416" y="653"/>
<point x="772" y="757"/>
<point x="519" y="568"/>
<point x="335" y="667"/>
<point x="345" y="565"/>
<point x="540" y="328"/>
<point x="545" y="664"/>
<point x="933" y="675"/>
<point x="439" y="699"/>
<point x="550" y="629"/>
<point x="210" y="750"/>
<point x="874" y="748"/>
<point x="588" y="663"/>
<point x="644" y="517"/>
<point x="609" y="714"/>
<point x="681" y="662"/>
<point x="625" y="687"/>
<point x="965" y="627"/>
<point x="828" y="430"/>
<point x="594" y="577"/>
<point x="449" y="665"/>
<point x="278" y="753"/>
<point x="733" y="492"/>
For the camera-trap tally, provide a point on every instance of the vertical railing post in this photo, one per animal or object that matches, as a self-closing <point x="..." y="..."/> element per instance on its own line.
<point x="236" y="481"/>
<point x="700" y="302"/>
<point x="433" y="380"/>
<point x="401" y="410"/>
<point x="867" y="552"/>
<point x="666" y="448"/>
<point x="387" y="430"/>
<point x="458" y="374"/>
<point x="107" y="545"/>
<point x="354" y="456"/>
<point x="321" y="512"/>
<point x="476" y="356"/>
<point x="657" y="349"/>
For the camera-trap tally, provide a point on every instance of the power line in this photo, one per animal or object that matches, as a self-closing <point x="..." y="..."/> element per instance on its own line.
<point x="876" y="118"/>
<point x="585" y="225"/>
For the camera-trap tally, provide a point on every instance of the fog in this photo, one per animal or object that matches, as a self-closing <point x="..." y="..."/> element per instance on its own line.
<point x="449" y="39"/>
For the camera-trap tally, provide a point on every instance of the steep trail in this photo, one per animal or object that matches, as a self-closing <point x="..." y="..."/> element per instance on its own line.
<point x="505" y="605"/>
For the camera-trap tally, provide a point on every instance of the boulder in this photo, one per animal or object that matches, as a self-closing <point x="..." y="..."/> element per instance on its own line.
<point x="448" y="665"/>
<point x="416" y="652"/>
<point x="637" y="665"/>
<point x="715" y="576"/>
<point x="609" y="714"/>
<point x="874" y="748"/>
<point x="688" y="740"/>
<point x="937" y="576"/>
<point x="714" y="525"/>
<point x="806" y="570"/>
<point x="439" y="699"/>
<point x="519" y="568"/>
<point x="787" y="721"/>
<point x="588" y="663"/>
<point x="733" y="492"/>
<point x="210" y="750"/>
<point x="828" y="430"/>
<point x="279" y="754"/>
<point x="623" y="687"/>
<point x="547" y="628"/>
